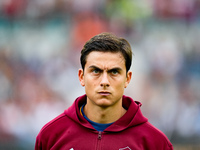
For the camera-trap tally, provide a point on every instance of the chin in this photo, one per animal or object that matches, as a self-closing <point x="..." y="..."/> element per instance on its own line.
<point x="104" y="102"/>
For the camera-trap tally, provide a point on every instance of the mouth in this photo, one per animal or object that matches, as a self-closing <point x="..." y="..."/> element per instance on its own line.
<point x="104" y="93"/>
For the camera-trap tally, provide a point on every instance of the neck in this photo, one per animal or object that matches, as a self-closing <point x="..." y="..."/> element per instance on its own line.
<point x="104" y="114"/>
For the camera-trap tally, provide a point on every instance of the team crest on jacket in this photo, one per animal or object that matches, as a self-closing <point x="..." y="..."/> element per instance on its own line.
<point x="125" y="148"/>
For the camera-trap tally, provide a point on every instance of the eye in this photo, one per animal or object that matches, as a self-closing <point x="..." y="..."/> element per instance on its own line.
<point x="95" y="71"/>
<point x="114" y="72"/>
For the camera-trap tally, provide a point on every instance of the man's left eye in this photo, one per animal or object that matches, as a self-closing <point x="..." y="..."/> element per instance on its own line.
<point x="95" y="71"/>
<point x="114" y="72"/>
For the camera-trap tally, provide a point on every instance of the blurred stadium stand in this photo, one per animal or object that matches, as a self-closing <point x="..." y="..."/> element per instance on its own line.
<point x="40" y="43"/>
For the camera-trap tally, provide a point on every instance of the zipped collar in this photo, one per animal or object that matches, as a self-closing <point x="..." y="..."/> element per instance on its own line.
<point x="132" y="117"/>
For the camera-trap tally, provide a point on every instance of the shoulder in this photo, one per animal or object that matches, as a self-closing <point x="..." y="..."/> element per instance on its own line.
<point x="159" y="137"/>
<point x="56" y="125"/>
<point x="53" y="122"/>
<point x="51" y="131"/>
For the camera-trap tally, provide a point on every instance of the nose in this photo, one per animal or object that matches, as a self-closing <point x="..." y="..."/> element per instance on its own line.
<point x="104" y="80"/>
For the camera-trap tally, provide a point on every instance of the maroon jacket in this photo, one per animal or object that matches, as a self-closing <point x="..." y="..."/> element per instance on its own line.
<point x="71" y="131"/>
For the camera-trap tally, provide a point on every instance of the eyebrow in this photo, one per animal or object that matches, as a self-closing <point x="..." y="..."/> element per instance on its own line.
<point x="94" y="67"/>
<point x="115" y="68"/>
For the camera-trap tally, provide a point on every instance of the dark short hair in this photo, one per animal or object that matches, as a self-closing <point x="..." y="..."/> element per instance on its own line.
<point x="107" y="42"/>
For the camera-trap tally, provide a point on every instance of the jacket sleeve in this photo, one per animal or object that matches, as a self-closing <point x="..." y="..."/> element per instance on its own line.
<point x="169" y="147"/>
<point x="38" y="144"/>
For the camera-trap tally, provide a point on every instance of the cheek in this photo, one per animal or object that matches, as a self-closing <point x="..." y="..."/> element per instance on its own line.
<point x="121" y="82"/>
<point x="119" y="87"/>
<point x="90" y="82"/>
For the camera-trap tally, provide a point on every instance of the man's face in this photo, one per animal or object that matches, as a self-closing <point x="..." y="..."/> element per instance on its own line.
<point x="104" y="78"/>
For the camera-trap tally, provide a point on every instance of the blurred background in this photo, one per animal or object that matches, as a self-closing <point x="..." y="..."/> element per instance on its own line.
<point x="40" y="44"/>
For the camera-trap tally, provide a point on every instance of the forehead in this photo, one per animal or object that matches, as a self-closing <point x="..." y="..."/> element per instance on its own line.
<point x="105" y="60"/>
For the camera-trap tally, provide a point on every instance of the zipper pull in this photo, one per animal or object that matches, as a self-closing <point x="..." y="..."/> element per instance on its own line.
<point x="99" y="135"/>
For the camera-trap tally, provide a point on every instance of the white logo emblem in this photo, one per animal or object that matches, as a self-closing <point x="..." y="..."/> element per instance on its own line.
<point x="126" y="148"/>
<point x="71" y="149"/>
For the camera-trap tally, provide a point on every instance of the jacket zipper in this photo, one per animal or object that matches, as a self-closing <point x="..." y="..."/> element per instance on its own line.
<point x="99" y="140"/>
<point x="99" y="135"/>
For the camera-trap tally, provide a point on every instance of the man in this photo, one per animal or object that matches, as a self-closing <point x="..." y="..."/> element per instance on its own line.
<point x="103" y="118"/>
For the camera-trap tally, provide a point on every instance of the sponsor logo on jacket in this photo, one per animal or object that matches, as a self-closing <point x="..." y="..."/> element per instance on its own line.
<point x="125" y="148"/>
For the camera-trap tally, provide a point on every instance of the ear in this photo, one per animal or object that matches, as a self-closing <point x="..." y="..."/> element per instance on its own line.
<point x="81" y="77"/>
<point x="128" y="78"/>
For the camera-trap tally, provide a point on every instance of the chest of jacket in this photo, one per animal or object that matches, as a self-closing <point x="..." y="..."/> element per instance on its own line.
<point x="93" y="140"/>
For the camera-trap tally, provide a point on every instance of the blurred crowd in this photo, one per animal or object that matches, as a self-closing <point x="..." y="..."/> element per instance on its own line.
<point x="40" y="44"/>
